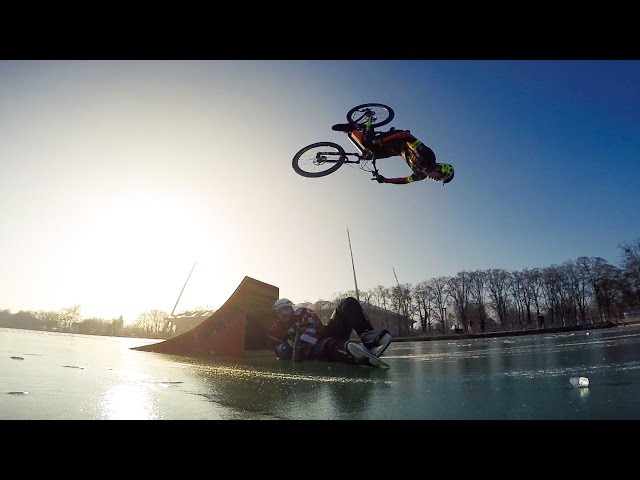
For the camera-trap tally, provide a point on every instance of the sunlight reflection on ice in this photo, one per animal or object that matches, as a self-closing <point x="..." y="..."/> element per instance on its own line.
<point x="131" y="398"/>
<point x="127" y="402"/>
<point x="243" y="372"/>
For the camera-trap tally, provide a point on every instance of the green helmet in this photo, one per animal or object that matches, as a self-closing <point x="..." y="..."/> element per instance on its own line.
<point x="447" y="172"/>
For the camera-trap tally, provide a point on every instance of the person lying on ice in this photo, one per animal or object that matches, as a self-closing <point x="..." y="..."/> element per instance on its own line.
<point x="329" y="342"/>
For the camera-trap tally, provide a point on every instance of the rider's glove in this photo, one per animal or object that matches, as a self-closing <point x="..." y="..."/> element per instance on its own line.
<point x="380" y="179"/>
<point x="284" y="351"/>
<point x="290" y="334"/>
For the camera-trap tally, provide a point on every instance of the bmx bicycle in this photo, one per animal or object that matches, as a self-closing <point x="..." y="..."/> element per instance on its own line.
<point x="323" y="158"/>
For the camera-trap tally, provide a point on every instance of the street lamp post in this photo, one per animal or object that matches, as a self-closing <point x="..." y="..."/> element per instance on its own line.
<point x="444" y="320"/>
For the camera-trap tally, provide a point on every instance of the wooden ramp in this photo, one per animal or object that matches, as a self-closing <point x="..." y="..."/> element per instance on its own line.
<point x="239" y="328"/>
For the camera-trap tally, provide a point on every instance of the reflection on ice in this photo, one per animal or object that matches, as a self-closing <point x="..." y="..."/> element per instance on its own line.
<point x="127" y="402"/>
<point x="583" y="392"/>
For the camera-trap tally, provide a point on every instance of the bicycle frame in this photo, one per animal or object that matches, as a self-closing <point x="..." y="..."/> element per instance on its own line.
<point x="356" y="137"/>
<point x="327" y="157"/>
<point x="359" y="158"/>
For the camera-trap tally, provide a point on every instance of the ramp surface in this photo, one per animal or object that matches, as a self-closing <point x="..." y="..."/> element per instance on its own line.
<point x="239" y="328"/>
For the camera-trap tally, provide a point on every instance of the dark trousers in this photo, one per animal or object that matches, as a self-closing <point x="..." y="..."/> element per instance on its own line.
<point x="348" y="316"/>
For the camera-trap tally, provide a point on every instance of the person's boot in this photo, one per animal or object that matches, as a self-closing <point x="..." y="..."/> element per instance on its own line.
<point x="363" y="356"/>
<point x="357" y="351"/>
<point x="376" y="342"/>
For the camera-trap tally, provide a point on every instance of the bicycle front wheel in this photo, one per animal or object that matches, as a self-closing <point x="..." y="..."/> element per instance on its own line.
<point x="319" y="159"/>
<point x="379" y="113"/>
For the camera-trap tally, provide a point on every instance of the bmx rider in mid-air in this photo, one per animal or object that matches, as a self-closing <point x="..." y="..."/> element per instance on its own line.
<point x="418" y="156"/>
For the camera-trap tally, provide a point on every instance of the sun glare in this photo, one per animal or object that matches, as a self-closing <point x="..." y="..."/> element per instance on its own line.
<point x="136" y="245"/>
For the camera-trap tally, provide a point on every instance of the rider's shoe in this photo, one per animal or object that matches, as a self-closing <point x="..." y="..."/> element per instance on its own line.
<point x="342" y="127"/>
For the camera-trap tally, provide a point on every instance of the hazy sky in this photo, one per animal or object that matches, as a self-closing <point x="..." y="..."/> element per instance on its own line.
<point x="116" y="176"/>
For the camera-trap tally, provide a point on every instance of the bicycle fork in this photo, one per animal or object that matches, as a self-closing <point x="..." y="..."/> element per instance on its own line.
<point x="375" y="169"/>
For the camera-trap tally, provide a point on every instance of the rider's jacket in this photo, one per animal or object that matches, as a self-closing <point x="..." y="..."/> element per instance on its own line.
<point x="418" y="156"/>
<point x="281" y="336"/>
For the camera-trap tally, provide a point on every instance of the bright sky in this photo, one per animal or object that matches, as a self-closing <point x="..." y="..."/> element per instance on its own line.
<point x="116" y="176"/>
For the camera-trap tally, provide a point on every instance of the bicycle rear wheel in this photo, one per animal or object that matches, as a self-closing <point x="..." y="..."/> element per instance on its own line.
<point x="319" y="159"/>
<point x="379" y="113"/>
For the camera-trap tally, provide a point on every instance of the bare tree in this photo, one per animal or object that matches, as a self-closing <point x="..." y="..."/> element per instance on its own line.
<point x="552" y="292"/>
<point x="529" y="287"/>
<point x="366" y="296"/>
<point x="439" y="287"/>
<point x="611" y="288"/>
<point x="580" y="289"/>
<point x="515" y="288"/>
<point x="563" y="301"/>
<point x="595" y="270"/>
<point x="50" y="320"/>
<point x="153" y="322"/>
<point x="403" y="306"/>
<point x="534" y="280"/>
<point x="568" y="306"/>
<point x="522" y="286"/>
<point x="69" y="316"/>
<point x="422" y="296"/>
<point x="497" y="282"/>
<point x="477" y="295"/>
<point x="460" y="287"/>
<point x="381" y="297"/>
<point x="117" y="324"/>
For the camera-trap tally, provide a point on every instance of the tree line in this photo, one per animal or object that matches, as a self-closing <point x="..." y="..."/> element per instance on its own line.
<point x="581" y="291"/>
<point x="578" y="292"/>
<point x="151" y="324"/>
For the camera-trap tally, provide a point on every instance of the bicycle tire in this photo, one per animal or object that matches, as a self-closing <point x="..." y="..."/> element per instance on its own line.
<point x="307" y="163"/>
<point x="381" y="110"/>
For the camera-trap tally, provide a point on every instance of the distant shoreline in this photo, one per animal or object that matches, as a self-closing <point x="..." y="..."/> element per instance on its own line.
<point x="515" y="333"/>
<point x="427" y="338"/>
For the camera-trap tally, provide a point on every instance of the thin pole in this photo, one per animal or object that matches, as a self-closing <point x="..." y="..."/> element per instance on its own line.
<point x="353" y="267"/>
<point x="185" y="284"/>
<point x="394" y="274"/>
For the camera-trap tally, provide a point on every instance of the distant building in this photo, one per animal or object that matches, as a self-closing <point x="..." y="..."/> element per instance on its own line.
<point x="380" y="318"/>
<point x="185" y="321"/>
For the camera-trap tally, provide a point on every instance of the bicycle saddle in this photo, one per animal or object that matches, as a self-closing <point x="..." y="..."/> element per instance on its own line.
<point x="342" y="127"/>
